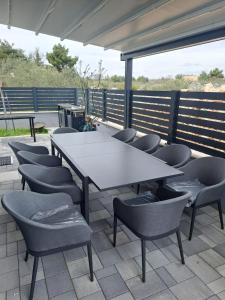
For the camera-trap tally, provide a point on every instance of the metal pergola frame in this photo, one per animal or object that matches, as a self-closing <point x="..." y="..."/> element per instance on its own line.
<point x="192" y="40"/>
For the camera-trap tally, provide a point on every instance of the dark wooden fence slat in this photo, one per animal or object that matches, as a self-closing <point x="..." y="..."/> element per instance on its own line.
<point x="203" y="104"/>
<point x="151" y="106"/>
<point x="200" y="122"/>
<point x="202" y="131"/>
<point x="151" y="113"/>
<point x="201" y="140"/>
<point x="203" y="114"/>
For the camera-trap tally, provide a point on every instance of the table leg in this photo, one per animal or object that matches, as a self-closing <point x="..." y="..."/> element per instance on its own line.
<point x="52" y="149"/>
<point x="85" y="186"/>
<point x="34" y="135"/>
<point x="31" y="133"/>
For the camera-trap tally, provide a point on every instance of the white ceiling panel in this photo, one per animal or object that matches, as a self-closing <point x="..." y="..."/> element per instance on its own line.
<point x="124" y="25"/>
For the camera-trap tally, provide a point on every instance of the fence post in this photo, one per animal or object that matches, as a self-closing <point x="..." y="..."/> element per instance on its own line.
<point x="75" y="96"/>
<point x="35" y="100"/>
<point x="174" y="108"/>
<point x="104" y="97"/>
<point x="87" y="101"/>
<point x="129" y="109"/>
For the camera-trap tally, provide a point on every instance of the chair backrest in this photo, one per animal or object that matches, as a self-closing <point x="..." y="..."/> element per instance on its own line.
<point x="208" y="170"/>
<point x="64" y="130"/>
<point x="17" y="146"/>
<point x="157" y="219"/>
<point x="175" y="155"/>
<point x="127" y="135"/>
<point x="148" y="143"/>
<point x="38" y="176"/>
<point x="26" y="157"/>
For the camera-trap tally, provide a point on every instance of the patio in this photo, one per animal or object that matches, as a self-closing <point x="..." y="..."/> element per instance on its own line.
<point x="117" y="270"/>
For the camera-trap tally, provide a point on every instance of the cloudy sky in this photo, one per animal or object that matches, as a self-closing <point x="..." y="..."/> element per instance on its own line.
<point x="186" y="61"/>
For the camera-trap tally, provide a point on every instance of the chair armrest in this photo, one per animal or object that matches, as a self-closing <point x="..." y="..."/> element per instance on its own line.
<point x="43" y="237"/>
<point x="210" y="193"/>
<point x="42" y="187"/>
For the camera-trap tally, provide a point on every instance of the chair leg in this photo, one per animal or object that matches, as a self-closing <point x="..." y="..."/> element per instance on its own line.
<point x="114" y="230"/>
<point x="220" y="213"/>
<point x="23" y="183"/>
<point x="180" y="246"/>
<point x="143" y="257"/>
<point x="192" y="222"/>
<point x="26" y="256"/>
<point x="89" y="250"/>
<point x="138" y="186"/>
<point x="82" y="208"/>
<point x="34" y="274"/>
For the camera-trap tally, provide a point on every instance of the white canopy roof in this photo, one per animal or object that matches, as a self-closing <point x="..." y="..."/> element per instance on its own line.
<point x="124" y="25"/>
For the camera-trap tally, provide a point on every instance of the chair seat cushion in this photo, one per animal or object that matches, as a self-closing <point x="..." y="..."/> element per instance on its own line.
<point x="62" y="215"/>
<point x="194" y="186"/>
<point x="142" y="199"/>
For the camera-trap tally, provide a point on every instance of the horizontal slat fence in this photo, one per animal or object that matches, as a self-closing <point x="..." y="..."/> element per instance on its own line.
<point x="19" y="99"/>
<point x="38" y="99"/>
<point x="115" y="105"/>
<point x="196" y="119"/>
<point x="151" y="112"/>
<point x="95" y="105"/>
<point x="201" y="122"/>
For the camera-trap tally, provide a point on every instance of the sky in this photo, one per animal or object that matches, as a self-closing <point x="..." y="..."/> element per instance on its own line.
<point x="188" y="61"/>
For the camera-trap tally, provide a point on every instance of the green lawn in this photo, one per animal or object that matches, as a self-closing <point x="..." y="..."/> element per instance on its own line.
<point x="19" y="131"/>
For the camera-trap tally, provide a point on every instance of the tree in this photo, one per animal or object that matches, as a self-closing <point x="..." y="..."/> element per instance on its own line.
<point x="179" y="76"/>
<point x="60" y="59"/>
<point x="203" y="76"/>
<point x="8" y="51"/>
<point x="142" y="79"/>
<point x="37" y="57"/>
<point x="117" y="78"/>
<point x="216" y="73"/>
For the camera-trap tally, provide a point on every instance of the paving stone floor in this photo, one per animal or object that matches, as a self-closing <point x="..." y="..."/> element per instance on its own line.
<point x="65" y="276"/>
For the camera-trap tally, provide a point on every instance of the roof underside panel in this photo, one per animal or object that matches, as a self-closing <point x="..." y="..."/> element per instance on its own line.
<point x="124" y="25"/>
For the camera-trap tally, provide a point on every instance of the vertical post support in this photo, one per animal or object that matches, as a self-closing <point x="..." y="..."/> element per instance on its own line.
<point x="75" y="96"/>
<point x="128" y="94"/>
<point x="104" y="97"/>
<point x="87" y="101"/>
<point x="35" y="100"/>
<point x="174" y="108"/>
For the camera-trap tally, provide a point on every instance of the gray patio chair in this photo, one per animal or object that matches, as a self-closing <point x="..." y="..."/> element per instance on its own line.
<point x="49" y="180"/>
<point x="47" y="160"/>
<point x="175" y="155"/>
<point x="148" y="143"/>
<point x="18" y="146"/>
<point x="49" y="224"/>
<point x="151" y="217"/>
<point x="205" y="179"/>
<point x="64" y="130"/>
<point x="127" y="135"/>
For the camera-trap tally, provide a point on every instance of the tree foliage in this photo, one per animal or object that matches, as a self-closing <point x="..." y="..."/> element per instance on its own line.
<point x="142" y="79"/>
<point x="117" y="78"/>
<point x="7" y="50"/>
<point x="60" y="59"/>
<point x="37" y="57"/>
<point x="216" y="73"/>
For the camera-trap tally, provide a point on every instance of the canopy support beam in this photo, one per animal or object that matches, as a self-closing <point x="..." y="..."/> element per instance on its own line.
<point x="128" y="91"/>
<point x="200" y="38"/>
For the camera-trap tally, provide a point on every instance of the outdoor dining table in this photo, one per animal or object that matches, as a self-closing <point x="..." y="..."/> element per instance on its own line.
<point x="107" y="162"/>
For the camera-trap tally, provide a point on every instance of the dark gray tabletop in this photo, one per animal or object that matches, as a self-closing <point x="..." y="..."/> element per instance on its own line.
<point x="110" y="163"/>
